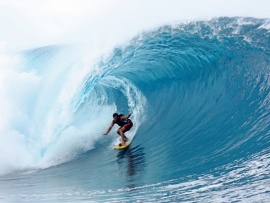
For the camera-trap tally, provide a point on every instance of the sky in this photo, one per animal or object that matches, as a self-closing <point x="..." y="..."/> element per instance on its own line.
<point x="29" y="23"/>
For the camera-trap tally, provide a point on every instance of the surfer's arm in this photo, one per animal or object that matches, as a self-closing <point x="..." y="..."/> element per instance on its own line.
<point x="125" y="117"/>
<point x="109" y="129"/>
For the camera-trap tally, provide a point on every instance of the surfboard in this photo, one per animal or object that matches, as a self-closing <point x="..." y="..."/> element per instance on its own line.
<point x="122" y="147"/>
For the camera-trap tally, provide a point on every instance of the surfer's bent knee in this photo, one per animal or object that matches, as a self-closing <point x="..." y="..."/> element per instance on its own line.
<point x="123" y="129"/>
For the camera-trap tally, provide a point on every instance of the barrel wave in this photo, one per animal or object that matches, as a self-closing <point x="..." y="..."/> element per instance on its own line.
<point x="199" y="97"/>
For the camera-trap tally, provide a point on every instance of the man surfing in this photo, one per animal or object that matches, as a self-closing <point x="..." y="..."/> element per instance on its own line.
<point x="125" y="125"/>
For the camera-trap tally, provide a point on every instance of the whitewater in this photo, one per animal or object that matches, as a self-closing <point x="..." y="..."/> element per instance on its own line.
<point x="198" y="91"/>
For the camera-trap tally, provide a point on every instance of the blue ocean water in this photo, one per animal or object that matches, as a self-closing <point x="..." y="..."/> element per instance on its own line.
<point x="199" y="95"/>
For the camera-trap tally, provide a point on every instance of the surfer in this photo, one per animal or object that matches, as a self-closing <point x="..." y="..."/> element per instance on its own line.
<point x="125" y="125"/>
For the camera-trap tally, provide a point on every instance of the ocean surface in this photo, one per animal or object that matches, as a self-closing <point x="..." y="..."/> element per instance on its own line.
<point x="199" y="95"/>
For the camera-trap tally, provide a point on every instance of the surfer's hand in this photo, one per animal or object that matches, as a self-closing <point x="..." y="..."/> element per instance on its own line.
<point x="105" y="134"/>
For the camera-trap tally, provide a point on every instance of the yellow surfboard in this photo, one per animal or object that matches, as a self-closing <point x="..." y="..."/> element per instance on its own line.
<point x="122" y="147"/>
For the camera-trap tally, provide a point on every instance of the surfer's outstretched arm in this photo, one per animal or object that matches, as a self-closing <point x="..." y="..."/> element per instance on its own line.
<point x="109" y="129"/>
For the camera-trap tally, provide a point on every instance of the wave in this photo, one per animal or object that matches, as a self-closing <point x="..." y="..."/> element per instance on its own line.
<point x="198" y="93"/>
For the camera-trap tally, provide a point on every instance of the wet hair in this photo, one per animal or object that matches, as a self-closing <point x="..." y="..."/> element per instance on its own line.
<point x="115" y="114"/>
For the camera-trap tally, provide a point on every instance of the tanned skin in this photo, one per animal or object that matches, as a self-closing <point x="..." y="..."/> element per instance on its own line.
<point x="121" y="131"/>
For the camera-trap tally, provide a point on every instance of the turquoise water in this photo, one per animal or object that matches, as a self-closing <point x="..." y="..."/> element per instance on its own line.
<point x="199" y="97"/>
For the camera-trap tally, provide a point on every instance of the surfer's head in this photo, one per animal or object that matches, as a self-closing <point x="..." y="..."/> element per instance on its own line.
<point x="115" y="116"/>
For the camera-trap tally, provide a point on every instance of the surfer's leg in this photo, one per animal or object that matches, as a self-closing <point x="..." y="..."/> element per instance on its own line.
<point x="121" y="132"/>
<point x="126" y="128"/>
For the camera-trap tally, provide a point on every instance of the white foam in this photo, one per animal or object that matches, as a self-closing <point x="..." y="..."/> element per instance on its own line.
<point x="17" y="89"/>
<point x="37" y="112"/>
